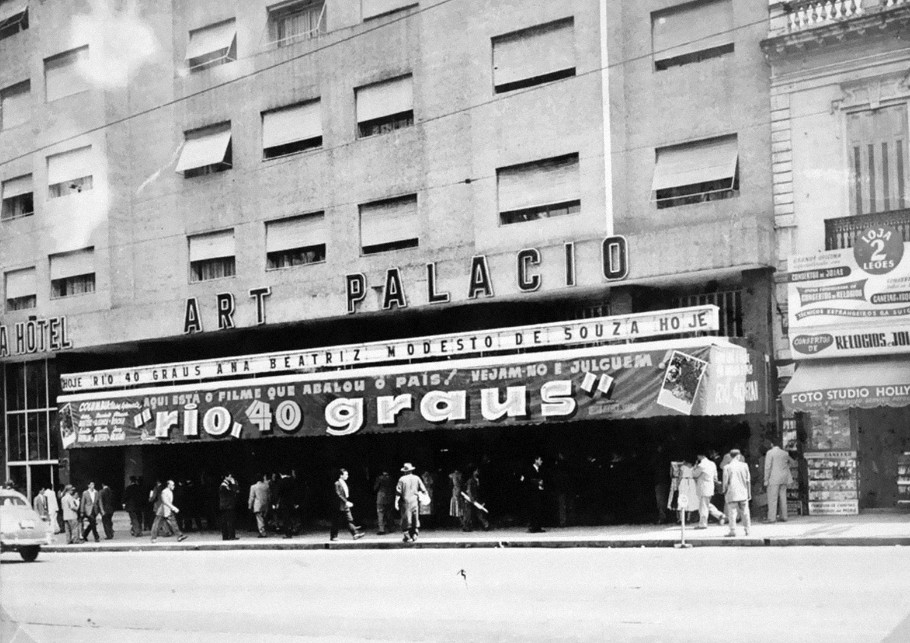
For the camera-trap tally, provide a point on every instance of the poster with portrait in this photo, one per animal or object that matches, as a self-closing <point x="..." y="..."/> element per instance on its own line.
<point x="682" y="378"/>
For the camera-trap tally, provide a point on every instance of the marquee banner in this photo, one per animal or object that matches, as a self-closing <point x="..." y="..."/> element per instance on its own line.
<point x="688" y="377"/>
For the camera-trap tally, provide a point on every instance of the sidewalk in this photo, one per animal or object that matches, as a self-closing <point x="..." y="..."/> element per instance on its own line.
<point x="885" y="529"/>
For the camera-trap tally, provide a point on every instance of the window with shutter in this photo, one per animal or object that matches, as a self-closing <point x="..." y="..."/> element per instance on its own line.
<point x="15" y="105"/>
<point x="691" y="33"/>
<point x="539" y="190"/>
<point x="877" y="148"/>
<point x="375" y="8"/>
<point x="13" y="17"/>
<point x="212" y="45"/>
<point x="696" y="172"/>
<point x="296" y="241"/>
<point x="65" y="74"/>
<point x="533" y="56"/>
<point x="291" y="22"/>
<point x="18" y="197"/>
<point x="206" y="151"/>
<point x="70" y="172"/>
<point x="391" y="224"/>
<point x="21" y="289"/>
<point x="212" y="255"/>
<point x="291" y="129"/>
<point x="72" y="273"/>
<point x="385" y="106"/>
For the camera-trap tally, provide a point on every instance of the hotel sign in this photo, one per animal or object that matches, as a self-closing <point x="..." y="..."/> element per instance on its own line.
<point x="851" y="302"/>
<point x="615" y="328"/>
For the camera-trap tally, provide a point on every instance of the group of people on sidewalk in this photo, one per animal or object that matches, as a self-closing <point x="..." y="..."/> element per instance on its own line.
<point x="73" y="513"/>
<point x="697" y="485"/>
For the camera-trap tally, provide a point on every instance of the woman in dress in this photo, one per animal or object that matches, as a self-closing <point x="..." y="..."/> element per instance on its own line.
<point x="456" y="504"/>
<point x="426" y="511"/>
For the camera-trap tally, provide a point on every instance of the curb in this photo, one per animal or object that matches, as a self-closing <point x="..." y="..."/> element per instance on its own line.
<point x="884" y="541"/>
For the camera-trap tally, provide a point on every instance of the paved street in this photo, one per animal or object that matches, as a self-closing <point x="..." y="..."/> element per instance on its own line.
<point x="756" y="594"/>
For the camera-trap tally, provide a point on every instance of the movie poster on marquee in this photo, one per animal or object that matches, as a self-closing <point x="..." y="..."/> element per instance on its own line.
<point x="853" y="301"/>
<point x="590" y="384"/>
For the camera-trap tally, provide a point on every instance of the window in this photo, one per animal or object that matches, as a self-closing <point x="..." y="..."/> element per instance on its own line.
<point x="18" y="199"/>
<point x="877" y="148"/>
<point x="691" y="33"/>
<point x="15" y="105"/>
<point x="64" y="74"/>
<point x="206" y="151"/>
<point x="290" y="22"/>
<point x="386" y="106"/>
<point x="13" y="17"/>
<point x="291" y="129"/>
<point x="376" y="8"/>
<point x="21" y="289"/>
<point x="390" y="224"/>
<point x="73" y="273"/>
<point x="696" y="172"/>
<point x="212" y="256"/>
<point x="295" y="241"/>
<point x="212" y="46"/>
<point x="538" y="190"/>
<point x="30" y="389"/>
<point x="729" y="302"/>
<point x="534" y="56"/>
<point x="69" y="172"/>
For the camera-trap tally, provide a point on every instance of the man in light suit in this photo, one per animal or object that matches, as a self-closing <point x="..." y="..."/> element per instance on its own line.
<point x="342" y="513"/>
<point x="408" y="503"/>
<point x="90" y="508"/>
<point x="259" y="503"/>
<point x="705" y="474"/>
<point x="737" y="491"/>
<point x="777" y="477"/>
<point x="167" y="512"/>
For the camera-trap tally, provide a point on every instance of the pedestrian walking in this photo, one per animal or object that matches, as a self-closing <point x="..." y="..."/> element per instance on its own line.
<point x="342" y="514"/>
<point x="534" y="492"/>
<point x="259" y="503"/>
<point x="39" y="504"/>
<point x="227" y="507"/>
<point x="407" y="501"/>
<point x="167" y="513"/>
<point x="132" y="504"/>
<point x="90" y="509"/>
<point x="737" y="491"/>
<point x="53" y="509"/>
<point x="472" y="491"/>
<point x="107" y="511"/>
<point x="777" y="479"/>
<point x="384" y="488"/>
<point x="70" y="504"/>
<point x="705" y="475"/>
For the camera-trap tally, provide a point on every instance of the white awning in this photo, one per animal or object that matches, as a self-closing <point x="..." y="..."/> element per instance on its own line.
<point x="373" y="8"/>
<point x="544" y="182"/>
<point x="70" y="165"/>
<point x="11" y="8"/>
<point x="206" y="149"/>
<point x="17" y="186"/>
<point x="72" y="264"/>
<point x="211" y="39"/>
<point x="697" y="27"/>
<point x="290" y="124"/>
<point x="389" y="222"/>
<point x="21" y="283"/>
<point x="212" y="246"/>
<point x="296" y="232"/>
<point x="534" y="52"/>
<point x="385" y="98"/>
<point x="713" y="160"/>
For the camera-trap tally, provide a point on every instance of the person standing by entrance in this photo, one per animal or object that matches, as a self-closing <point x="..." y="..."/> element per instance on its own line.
<point x="533" y="481"/>
<point x="777" y="478"/>
<point x="132" y="503"/>
<point x="39" y="504"/>
<point x="90" y="509"/>
<point x="342" y="514"/>
<point x="407" y="502"/>
<point x="107" y="511"/>
<point x="259" y="503"/>
<point x="167" y="512"/>
<point x="472" y="490"/>
<point x="737" y="491"/>
<point x="384" y="487"/>
<point x="70" y="514"/>
<point x="227" y="507"/>
<point x="705" y="474"/>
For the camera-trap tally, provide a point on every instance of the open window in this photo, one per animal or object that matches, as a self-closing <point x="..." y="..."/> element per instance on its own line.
<point x="206" y="151"/>
<point x="212" y="255"/>
<point x="18" y="197"/>
<point x="21" y="289"/>
<point x="212" y="45"/>
<point x="385" y="106"/>
<point x="72" y="273"/>
<point x="296" y="241"/>
<point x="13" y="17"/>
<point x="696" y="172"/>
<point x="291" y="22"/>
<point x="70" y="172"/>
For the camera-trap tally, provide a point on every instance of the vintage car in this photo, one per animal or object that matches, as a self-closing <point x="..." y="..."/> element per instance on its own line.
<point x="21" y="529"/>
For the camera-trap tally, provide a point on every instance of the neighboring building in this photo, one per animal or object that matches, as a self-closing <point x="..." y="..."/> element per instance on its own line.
<point x="839" y="98"/>
<point x="209" y="180"/>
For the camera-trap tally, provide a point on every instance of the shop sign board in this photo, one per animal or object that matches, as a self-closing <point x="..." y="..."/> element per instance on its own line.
<point x="833" y="483"/>
<point x="615" y="328"/>
<point x="853" y="301"/>
<point x="689" y="377"/>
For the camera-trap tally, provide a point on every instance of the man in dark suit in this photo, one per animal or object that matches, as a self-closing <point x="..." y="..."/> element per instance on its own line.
<point x="132" y="503"/>
<point x="342" y="514"/>
<point x="227" y="507"/>
<point x="534" y="487"/>
<point x="90" y="508"/>
<point x="107" y="511"/>
<point x="286" y="501"/>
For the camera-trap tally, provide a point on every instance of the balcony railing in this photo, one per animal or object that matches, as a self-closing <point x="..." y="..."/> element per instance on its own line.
<point x="801" y="15"/>
<point x="841" y="233"/>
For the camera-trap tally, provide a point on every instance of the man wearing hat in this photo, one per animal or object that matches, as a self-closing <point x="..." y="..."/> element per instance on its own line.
<point x="408" y="503"/>
<point x="70" y="514"/>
